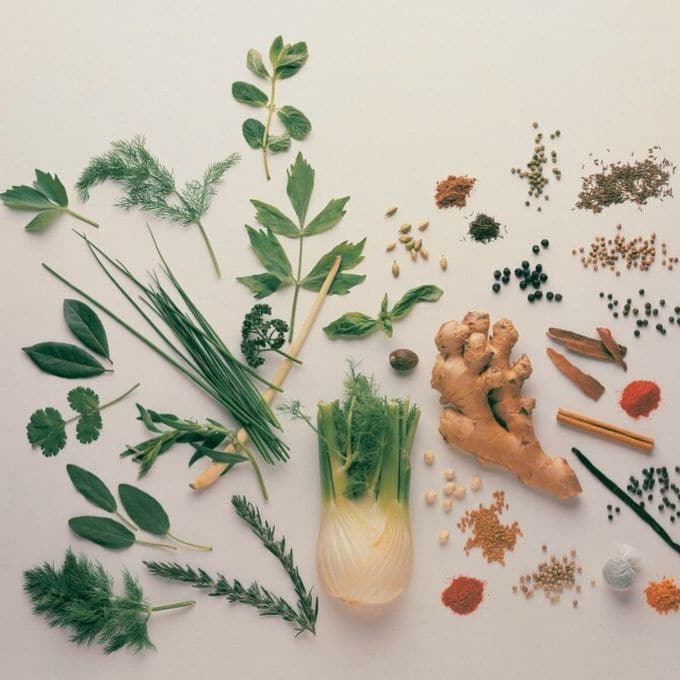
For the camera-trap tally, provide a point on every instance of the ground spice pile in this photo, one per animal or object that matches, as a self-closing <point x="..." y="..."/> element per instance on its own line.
<point x="664" y="596"/>
<point x="640" y="398"/>
<point x="463" y="595"/>
<point x="488" y="534"/>
<point x="635" y="181"/>
<point x="454" y="191"/>
<point x="484" y="228"/>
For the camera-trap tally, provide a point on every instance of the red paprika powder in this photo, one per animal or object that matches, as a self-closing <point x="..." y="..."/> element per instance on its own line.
<point x="640" y="398"/>
<point x="463" y="595"/>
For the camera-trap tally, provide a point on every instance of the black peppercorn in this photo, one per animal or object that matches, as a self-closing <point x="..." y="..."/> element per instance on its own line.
<point x="496" y="287"/>
<point x="536" y="250"/>
<point x="523" y="284"/>
<point x="525" y="265"/>
<point x="636" y="333"/>
<point x="519" y="273"/>
<point x="497" y="274"/>
<point x="550" y="295"/>
<point x="538" y="268"/>
<point x="558" y="297"/>
<point x="531" y="297"/>
<point x="641" y="291"/>
<point x="538" y="294"/>
<point x="545" y="243"/>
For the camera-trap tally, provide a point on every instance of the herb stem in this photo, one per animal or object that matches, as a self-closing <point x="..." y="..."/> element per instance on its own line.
<point x="258" y="472"/>
<point x="126" y="521"/>
<point x="297" y="290"/>
<point x="103" y="406"/>
<point x="205" y="548"/>
<point x="164" y="546"/>
<point x="288" y="356"/>
<point x="213" y="257"/>
<point x="270" y="107"/>
<point x="80" y="217"/>
<point x="175" y="605"/>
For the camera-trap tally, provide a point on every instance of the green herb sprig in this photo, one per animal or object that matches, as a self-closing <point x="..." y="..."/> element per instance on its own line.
<point x="47" y="196"/>
<point x="260" y="335"/>
<point x="79" y="597"/>
<point x="303" y="616"/>
<point x="358" y="325"/>
<point x="286" y="60"/>
<point x="271" y="254"/>
<point x="47" y="428"/>
<point x="149" y="185"/>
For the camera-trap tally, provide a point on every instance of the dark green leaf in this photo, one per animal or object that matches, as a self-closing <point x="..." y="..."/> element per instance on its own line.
<point x="64" y="360"/>
<point x="88" y="427"/>
<point x="344" y="282"/>
<point x="351" y="254"/>
<point x="90" y="486"/>
<point x="278" y="143"/>
<point x="144" y="510"/>
<point x="51" y="187"/>
<point x="253" y="133"/>
<point x="47" y="429"/>
<point x="83" y="400"/>
<point x="300" y="186"/>
<point x="411" y="297"/>
<point x="386" y="326"/>
<point x="272" y="218"/>
<point x="383" y="306"/>
<point x="248" y="94"/>
<point x="261" y="285"/>
<point x="351" y="325"/>
<point x="145" y="417"/>
<point x="86" y="326"/>
<point x="294" y="121"/>
<point x="292" y="61"/>
<point x="255" y="64"/>
<point x="25" y="198"/>
<point x="270" y="253"/>
<point x="221" y="456"/>
<point x="102" y="531"/>
<point x="328" y="217"/>
<point x="43" y="220"/>
<point x="275" y="50"/>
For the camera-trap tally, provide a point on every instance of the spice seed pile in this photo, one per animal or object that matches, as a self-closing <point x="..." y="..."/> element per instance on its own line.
<point x="652" y="312"/>
<point x="656" y="479"/>
<point x="484" y="228"/>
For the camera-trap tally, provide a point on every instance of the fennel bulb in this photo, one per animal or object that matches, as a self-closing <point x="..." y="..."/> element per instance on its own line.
<point x="364" y="551"/>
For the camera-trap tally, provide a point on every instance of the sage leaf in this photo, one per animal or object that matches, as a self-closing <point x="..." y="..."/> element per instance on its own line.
<point x="43" y="219"/>
<point x="87" y="327"/>
<point x="275" y="50"/>
<point x="328" y="217"/>
<point x="351" y="254"/>
<point x="261" y="285"/>
<point x="351" y="325"/>
<point x="272" y="218"/>
<point x="47" y="429"/>
<point x="25" y="198"/>
<point x="51" y="187"/>
<point x="270" y="253"/>
<point x="412" y="297"/>
<point x="255" y="64"/>
<point x="92" y="488"/>
<point x="64" y="360"/>
<point x="103" y="531"/>
<point x="253" y="133"/>
<point x="144" y="510"/>
<point x="300" y="186"/>
<point x="295" y="122"/>
<point x="292" y="61"/>
<point x="278" y="143"/>
<point x="245" y="93"/>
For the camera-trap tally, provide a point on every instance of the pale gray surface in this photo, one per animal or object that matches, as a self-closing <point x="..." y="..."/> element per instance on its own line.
<point x="400" y="95"/>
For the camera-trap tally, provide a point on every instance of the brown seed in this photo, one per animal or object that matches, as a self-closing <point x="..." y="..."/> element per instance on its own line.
<point x="405" y="239"/>
<point x="405" y="228"/>
<point x="414" y="255"/>
<point x="390" y="247"/>
<point x="424" y="253"/>
<point x="443" y="263"/>
<point x="391" y="211"/>
<point x="395" y="269"/>
<point x="423" y="225"/>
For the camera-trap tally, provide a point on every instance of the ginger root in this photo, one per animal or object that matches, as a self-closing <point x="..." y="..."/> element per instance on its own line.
<point x="484" y="412"/>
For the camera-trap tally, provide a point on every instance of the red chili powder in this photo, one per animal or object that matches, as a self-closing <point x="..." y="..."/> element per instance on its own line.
<point x="640" y="398"/>
<point x="453" y="191"/>
<point x="463" y="595"/>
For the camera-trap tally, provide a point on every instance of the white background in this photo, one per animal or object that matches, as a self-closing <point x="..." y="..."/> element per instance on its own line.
<point x="400" y="95"/>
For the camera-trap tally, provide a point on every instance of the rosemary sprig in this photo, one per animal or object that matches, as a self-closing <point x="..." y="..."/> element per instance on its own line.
<point x="303" y="616"/>
<point x="79" y="597"/>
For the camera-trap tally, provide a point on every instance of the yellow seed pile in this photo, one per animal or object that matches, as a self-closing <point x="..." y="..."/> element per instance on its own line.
<point x="411" y="242"/>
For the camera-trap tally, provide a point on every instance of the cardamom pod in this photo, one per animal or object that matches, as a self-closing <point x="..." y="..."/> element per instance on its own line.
<point x="410" y="245"/>
<point x="390" y="247"/>
<point x="405" y="239"/>
<point x="423" y="226"/>
<point x="443" y="263"/>
<point x="414" y="255"/>
<point x="424" y="253"/>
<point x="395" y="269"/>
<point x="390" y="211"/>
<point x="405" y="228"/>
<point x="418" y="245"/>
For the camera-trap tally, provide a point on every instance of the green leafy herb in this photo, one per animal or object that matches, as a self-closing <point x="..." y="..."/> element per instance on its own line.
<point x="149" y="185"/>
<point x="303" y="615"/>
<point x="47" y="428"/>
<point x="358" y="325"/>
<point x="260" y="335"/>
<point x="64" y="360"/>
<point x="87" y="327"/>
<point x="286" y="60"/>
<point x="103" y="531"/>
<point x="47" y="196"/>
<point x="272" y="256"/>
<point x="79" y="597"/>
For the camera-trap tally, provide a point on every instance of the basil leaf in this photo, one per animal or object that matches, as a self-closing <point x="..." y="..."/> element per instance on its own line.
<point x="292" y="61"/>
<point x="351" y="254"/>
<point x="86" y="326"/>
<point x="47" y="429"/>
<point x="43" y="220"/>
<point x="25" y="198"/>
<point x="92" y="488"/>
<point x="278" y="143"/>
<point x="255" y="64"/>
<point x="253" y="133"/>
<point x="51" y="188"/>
<point x="261" y="285"/>
<point x="272" y="218"/>
<point x="275" y="50"/>
<point x="300" y="186"/>
<point x="328" y="217"/>
<point x="64" y="360"/>
<point x="102" y="531"/>
<point x="144" y="510"/>
<point x="295" y="122"/>
<point x="411" y="297"/>
<point x="245" y="93"/>
<point x="270" y="253"/>
<point x="351" y="325"/>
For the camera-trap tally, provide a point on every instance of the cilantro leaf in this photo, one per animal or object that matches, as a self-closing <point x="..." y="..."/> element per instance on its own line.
<point x="47" y="429"/>
<point x="83" y="400"/>
<point x="89" y="427"/>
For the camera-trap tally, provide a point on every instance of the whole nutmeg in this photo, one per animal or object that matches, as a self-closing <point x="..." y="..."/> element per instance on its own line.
<point x="403" y="360"/>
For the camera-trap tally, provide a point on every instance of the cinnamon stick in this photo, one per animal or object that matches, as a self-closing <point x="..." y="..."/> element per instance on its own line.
<point x="581" y="344"/>
<point x="612" y="346"/>
<point x="586" y="383"/>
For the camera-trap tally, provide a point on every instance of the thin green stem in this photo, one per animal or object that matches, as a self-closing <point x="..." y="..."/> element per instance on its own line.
<point x="297" y="291"/>
<point x="265" y="137"/>
<point x="126" y="521"/>
<point x="205" y="548"/>
<point x="175" y="605"/>
<point x="103" y="406"/>
<point x="287" y="356"/>
<point x="164" y="546"/>
<point x="213" y="257"/>
<point x="258" y="472"/>
<point x="80" y="217"/>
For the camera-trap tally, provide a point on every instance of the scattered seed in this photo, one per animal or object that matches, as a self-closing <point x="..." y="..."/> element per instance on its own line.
<point x="414" y="254"/>
<point x="430" y="496"/>
<point x="443" y="263"/>
<point x="449" y="489"/>
<point x="428" y="457"/>
<point x="443" y="537"/>
<point x="404" y="228"/>
<point x="405" y="239"/>
<point x="423" y="225"/>
<point x="391" y="211"/>
<point x="475" y="483"/>
<point x="390" y="247"/>
<point x="424" y="253"/>
<point x="395" y="269"/>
